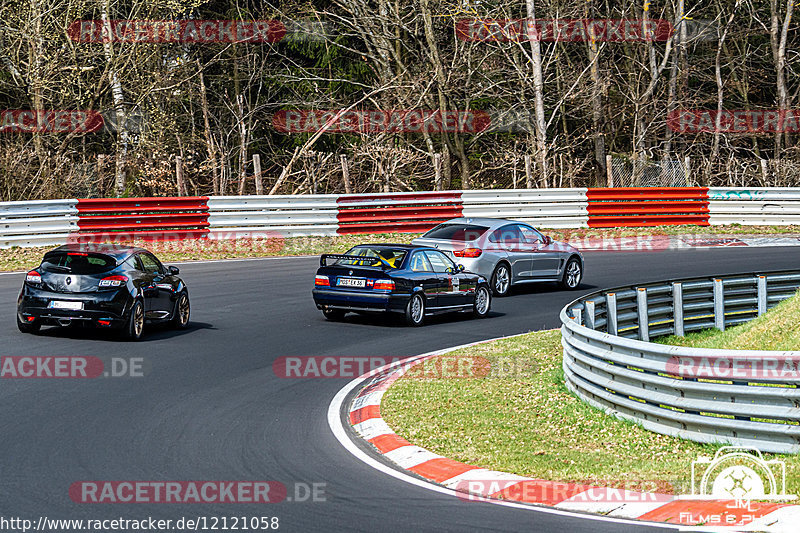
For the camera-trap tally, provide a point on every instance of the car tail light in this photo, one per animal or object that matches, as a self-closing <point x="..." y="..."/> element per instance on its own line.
<point x="31" y="318"/>
<point x="104" y="322"/>
<point x="78" y="253"/>
<point x="383" y="285"/>
<point x="33" y="277"/>
<point x="113" y="281"/>
<point x="468" y="252"/>
<point x="322" y="281"/>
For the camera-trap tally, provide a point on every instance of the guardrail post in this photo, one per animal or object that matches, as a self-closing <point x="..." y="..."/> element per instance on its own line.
<point x="576" y="313"/>
<point x="719" y="305"/>
<point x="762" y="295"/>
<point x="677" y="308"/>
<point x="589" y="317"/>
<point x="644" y="319"/>
<point x="611" y="313"/>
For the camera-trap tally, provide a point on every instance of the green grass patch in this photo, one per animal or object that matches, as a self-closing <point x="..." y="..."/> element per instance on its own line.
<point x="529" y="423"/>
<point x="778" y="329"/>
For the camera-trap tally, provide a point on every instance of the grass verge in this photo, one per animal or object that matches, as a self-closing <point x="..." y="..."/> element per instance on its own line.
<point x="779" y="329"/>
<point x="531" y="425"/>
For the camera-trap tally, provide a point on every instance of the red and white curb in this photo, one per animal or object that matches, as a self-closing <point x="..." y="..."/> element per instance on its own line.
<point x="471" y="483"/>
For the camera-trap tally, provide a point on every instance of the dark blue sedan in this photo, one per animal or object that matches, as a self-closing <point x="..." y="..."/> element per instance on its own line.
<point x="416" y="281"/>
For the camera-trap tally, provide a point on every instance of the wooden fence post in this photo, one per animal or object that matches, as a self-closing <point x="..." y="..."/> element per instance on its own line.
<point x="345" y="173"/>
<point x="179" y="176"/>
<point x="528" y="172"/>
<point x="257" y="173"/>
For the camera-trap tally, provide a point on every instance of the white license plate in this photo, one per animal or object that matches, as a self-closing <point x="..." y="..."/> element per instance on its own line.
<point x="351" y="282"/>
<point x="74" y="306"/>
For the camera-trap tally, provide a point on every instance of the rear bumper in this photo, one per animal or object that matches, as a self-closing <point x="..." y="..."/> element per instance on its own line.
<point x="359" y="301"/>
<point x="107" y="306"/>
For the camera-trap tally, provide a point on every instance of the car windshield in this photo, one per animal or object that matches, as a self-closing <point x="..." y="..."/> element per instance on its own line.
<point x="375" y="256"/>
<point x="456" y="232"/>
<point x="77" y="262"/>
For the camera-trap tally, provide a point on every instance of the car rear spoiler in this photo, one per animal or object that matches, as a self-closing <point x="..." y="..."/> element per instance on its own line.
<point x="324" y="257"/>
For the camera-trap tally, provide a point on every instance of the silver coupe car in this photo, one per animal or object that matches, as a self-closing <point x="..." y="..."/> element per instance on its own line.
<point x="506" y="252"/>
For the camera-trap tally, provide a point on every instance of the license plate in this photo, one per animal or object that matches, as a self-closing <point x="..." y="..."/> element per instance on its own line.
<point x="351" y="282"/>
<point x="74" y="306"/>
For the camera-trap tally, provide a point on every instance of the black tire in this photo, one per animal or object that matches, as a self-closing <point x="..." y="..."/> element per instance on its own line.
<point x="333" y="314"/>
<point x="573" y="274"/>
<point x="135" y="324"/>
<point x="28" y="327"/>
<point x="501" y="280"/>
<point x="183" y="310"/>
<point x="415" y="311"/>
<point x="483" y="302"/>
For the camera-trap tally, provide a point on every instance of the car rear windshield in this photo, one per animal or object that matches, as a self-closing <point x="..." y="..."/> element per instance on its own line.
<point x="375" y="257"/>
<point x="77" y="263"/>
<point x="456" y="232"/>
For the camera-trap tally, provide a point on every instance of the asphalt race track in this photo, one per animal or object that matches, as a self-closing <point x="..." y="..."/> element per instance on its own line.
<point x="211" y="408"/>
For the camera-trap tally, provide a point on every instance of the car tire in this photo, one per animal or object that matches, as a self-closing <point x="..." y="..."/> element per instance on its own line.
<point x="135" y="324"/>
<point x="573" y="273"/>
<point x="415" y="311"/>
<point x="183" y="310"/>
<point x="28" y="327"/>
<point x="483" y="302"/>
<point x="501" y="280"/>
<point x="334" y="315"/>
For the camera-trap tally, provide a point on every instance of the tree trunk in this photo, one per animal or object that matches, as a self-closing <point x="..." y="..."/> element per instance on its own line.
<point x="119" y="105"/>
<point x="538" y="88"/>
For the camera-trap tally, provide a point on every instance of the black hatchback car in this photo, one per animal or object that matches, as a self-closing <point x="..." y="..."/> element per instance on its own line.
<point x="414" y="281"/>
<point x="106" y="286"/>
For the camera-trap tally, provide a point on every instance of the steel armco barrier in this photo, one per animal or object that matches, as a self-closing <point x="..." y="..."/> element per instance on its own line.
<point x="37" y="223"/>
<point x="412" y="212"/>
<point x="287" y="216"/>
<point x="647" y="206"/>
<point x="609" y="363"/>
<point x="171" y="218"/>
<point x="545" y="208"/>
<point x="768" y="206"/>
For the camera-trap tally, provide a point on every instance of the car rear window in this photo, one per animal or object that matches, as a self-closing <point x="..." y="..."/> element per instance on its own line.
<point x="77" y="263"/>
<point x="375" y="256"/>
<point x="456" y="232"/>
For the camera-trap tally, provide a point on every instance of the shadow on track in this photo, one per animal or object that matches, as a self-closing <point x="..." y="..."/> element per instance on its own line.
<point x="152" y="332"/>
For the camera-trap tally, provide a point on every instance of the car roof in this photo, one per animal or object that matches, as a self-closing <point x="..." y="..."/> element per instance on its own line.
<point x="490" y="223"/>
<point x="116" y="251"/>
<point x="383" y="245"/>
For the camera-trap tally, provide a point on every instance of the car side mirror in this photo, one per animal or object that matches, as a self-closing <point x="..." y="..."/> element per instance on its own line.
<point x="461" y="268"/>
<point x="547" y="240"/>
<point x="174" y="270"/>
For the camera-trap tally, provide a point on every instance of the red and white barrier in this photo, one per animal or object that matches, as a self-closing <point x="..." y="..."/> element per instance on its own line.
<point x="52" y="222"/>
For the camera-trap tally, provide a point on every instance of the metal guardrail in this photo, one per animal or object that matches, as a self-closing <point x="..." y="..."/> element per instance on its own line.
<point x="285" y="215"/>
<point x="686" y="392"/>
<point x="37" y="223"/>
<point x="768" y="206"/>
<point x="545" y="208"/>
